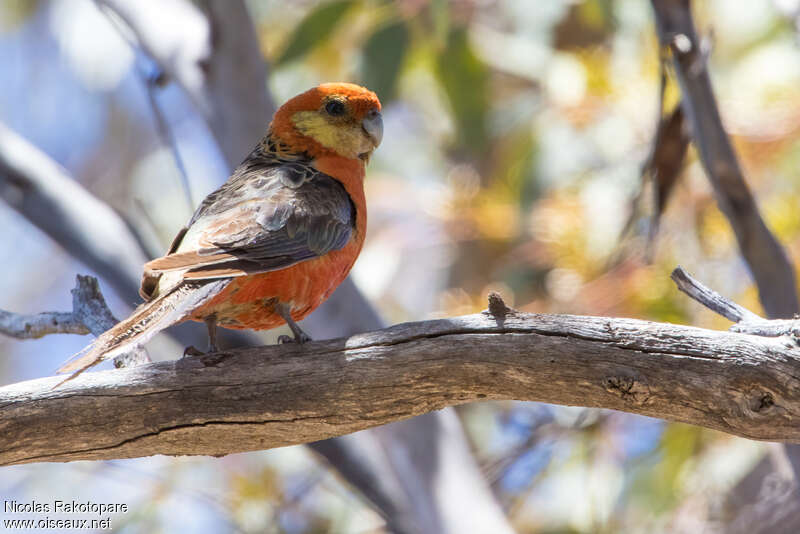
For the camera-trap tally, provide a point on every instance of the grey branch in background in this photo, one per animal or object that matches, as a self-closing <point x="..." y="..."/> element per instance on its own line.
<point x="766" y="259"/>
<point x="44" y="193"/>
<point x="90" y="314"/>
<point x="236" y="80"/>
<point x="216" y="59"/>
<point x="38" y="325"/>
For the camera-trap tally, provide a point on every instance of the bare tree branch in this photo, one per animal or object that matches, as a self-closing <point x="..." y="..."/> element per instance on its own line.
<point x="43" y="192"/>
<point x="747" y="322"/>
<point x="710" y="298"/>
<point x="236" y="80"/>
<point x="768" y="263"/>
<point x="38" y="325"/>
<point x="266" y="397"/>
<point x="90" y="314"/>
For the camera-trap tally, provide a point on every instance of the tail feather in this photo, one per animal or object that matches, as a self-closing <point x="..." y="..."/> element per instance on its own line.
<point x="144" y="323"/>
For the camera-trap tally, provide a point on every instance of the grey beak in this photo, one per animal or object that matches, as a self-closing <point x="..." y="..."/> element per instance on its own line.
<point x="373" y="125"/>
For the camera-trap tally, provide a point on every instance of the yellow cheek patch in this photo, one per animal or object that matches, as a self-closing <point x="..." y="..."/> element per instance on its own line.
<point x="345" y="139"/>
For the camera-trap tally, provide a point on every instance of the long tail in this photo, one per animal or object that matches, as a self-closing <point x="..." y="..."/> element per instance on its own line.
<point x="144" y="323"/>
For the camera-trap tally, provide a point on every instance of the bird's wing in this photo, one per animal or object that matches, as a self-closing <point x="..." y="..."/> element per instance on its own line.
<point x="263" y="219"/>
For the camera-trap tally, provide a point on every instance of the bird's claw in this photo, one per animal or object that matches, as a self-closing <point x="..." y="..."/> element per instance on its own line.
<point x="192" y="351"/>
<point x="299" y="339"/>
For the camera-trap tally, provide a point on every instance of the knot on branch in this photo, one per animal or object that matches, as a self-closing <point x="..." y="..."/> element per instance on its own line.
<point x="760" y="401"/>
<point x="498" y="308"/>
<point x="627" y="387"/>
<point x="89" y="306"/>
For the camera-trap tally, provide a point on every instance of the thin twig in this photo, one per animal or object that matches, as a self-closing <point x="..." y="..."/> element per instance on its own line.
<point x="150" y="80"/>
<point x="766" y="259"/>
<point x="746" y="321"/>
<point x="166" y="134"/>
<point x="710" y="298"/>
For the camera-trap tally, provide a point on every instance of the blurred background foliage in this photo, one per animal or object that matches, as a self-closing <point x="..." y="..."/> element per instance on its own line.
<point x="516" y="132"/>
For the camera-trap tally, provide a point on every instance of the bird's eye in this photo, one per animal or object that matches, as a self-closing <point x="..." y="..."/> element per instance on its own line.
<point x="335" y="107"/>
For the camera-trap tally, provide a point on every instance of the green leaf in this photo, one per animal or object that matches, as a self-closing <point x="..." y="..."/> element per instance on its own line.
<point x="465" y="79"/>
<point x="317" y="26"/>
<point x="384" y="53"/>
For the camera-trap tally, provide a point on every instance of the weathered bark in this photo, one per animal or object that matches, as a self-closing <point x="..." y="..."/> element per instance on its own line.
<point x="267" y="397"/>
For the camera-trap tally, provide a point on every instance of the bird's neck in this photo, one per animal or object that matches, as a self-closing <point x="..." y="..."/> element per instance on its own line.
<point x="273" y="149"/>
<point x="350" y="173"/>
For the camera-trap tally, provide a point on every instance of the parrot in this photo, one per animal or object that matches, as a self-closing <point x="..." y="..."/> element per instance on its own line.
<point x="275" y="240"/>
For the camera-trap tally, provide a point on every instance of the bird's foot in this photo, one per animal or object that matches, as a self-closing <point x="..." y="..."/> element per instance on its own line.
<point x="300" y="338"/>
<point x="191" y="350"/>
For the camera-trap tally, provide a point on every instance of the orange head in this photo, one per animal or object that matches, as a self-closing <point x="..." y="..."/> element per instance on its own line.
<point x="340" y="119"/>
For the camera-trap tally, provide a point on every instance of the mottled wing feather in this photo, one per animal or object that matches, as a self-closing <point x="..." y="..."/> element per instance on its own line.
<point x="269" y="218"/>
<point x="257" y="174"/>
<point x="185" y="260"/>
